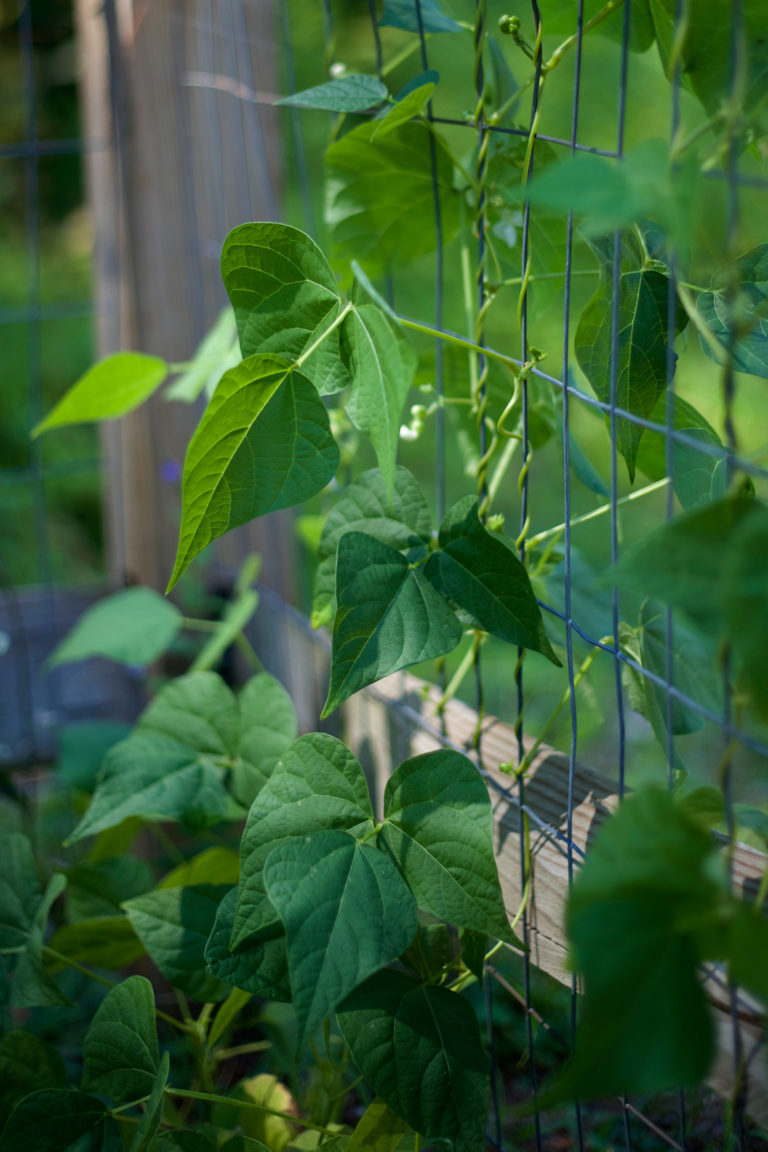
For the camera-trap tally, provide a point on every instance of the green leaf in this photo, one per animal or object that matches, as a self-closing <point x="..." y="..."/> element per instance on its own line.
<point x="212" y="866"/>
<point x="404" y="109"/>
<point x="641" y="357"/>
<point x="420" y="1050"/>
<point x="382" y="364"/>
<point x="562" y="18"/>
<point x="82" y="747"/>
<point x="439" y="830"/>
<point x="368" y="182"/>
<point x="268" y="728"/>
<point x="185" y="1142"/>
<point x="134" y="626"/>
<point x="258" y="965"/>
<point x="98" y="887"/>
<point x="101" y="942"/>
<point x="120" y="1053"/>
<point x="264" y="443"/>
<point x="646" y="891"/>
<point x="378" y="1129"/>
<point x="755" y="819"/>
<point x="32" y="987"/>
<point x="284" y="295"/>
<point x="150" y="1119"/>
<point x="403" y="522"/>
<point x="748" y="947"/>
<point x="109" y="389"/>
<point x="198" y="710"/>
<point x="403" y="14"/>
<point x="55" y="1120"/>
<point x="694" y="669"/>
<point x="218" y="351"/>
<point x="346" y="912"/>
<point x="19" y="892"/>
<point x="388" y="617"/>
<point x="354" y="92"/>
<point x="156" y="778"/>
<point x="318" y="784"/>
<point x="27" y="1064"/>
<point x="475" y="570"/>
<point x="693" y="472"/>
<point x="746" y="315"/>
<point x="174" y="925"/>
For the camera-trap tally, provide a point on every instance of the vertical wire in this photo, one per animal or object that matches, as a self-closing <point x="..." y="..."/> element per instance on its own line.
<point x="523" y="311"/>
<point x="480" y="390"/>
<point x="669" y="446"/>
<point x="567" y="522"/>
<point x="376" y="36"/>
<point x="439" y="285"/>
<point x="614" y="365"/>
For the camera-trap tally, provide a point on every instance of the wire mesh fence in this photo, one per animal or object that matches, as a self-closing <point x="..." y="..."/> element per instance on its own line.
<point x="494" y="285"/>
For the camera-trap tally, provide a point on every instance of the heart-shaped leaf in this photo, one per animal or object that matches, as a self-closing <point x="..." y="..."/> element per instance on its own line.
<point x="355" y="92"/>
<point x="134" y="626"/>
<point x="259" y="965"/>
<point x="109" y="389"/>
<point x="121" y="1056"/>
<point x="388" y="617"/>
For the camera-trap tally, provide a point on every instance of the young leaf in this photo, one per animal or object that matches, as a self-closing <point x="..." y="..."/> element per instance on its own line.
<point x="352" y="93"/>
<point x="211" y="866"/>
<point x="403" y="14"/>
<point x="259" y="965"/>
<point x="389" y="616"/>
<point x="218" y="351"/>
<point x="404" y="109"/>
<point x="318" y="784"/>
<point x="402" y="521"/>
<point x="197" y="709"/>
<point x="156" y="778"/>
<point x="377" y="1130"/>
<point x="368" y="182"/>
<point x="382" y="364"/>
<point x="439" y="831"/>
<point x="56" y="1120"/>
<point x="645" y="892"/>
<point x="134" y="626"/>
<point x="120" y="1053"/>
<point x="747" y="317"/>
<point x="420" y="1050"/>
<point x="284" y="296"/>
<point x="641" y="359"/>
<point x="109" y="389"/>
<point x="174" y="925"/>
<point x="101" y="941"/>
<point x="268" y="728"/>
<point x="475" y="570"/>
<point x="346" y="912"/>
<point x="264" y="443"/>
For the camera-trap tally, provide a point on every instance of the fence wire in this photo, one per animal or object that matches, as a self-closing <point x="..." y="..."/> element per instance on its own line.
<point x="213" y="69"/>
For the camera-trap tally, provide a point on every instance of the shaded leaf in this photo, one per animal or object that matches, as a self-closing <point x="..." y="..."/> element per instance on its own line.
<point x="258" y="965"/>
<point x="174" y="925"/>
<point x="382" y="365"/>
<point x="420" y="1050"/>
<point x="403" y="14"/>
<point x="120" y="1053"/>
<point x="368" y="182"/>
<point x="476" y="571"/>
<point x="109" y="389"/>
<point x="318" y="784"/>
<point x="641" y="357"/>
<point x="377" y="1130"/>
<point x="388" y="617"/>
<point x="403" y="521"/>
<point x="27" y="1064"/>
<point x="264" y="443"/>
<point x="439" y="830"/>
<point x="746" y="316"/>
<point x="197" y="709"/>
<point x="284" y="295"/>
<point x="268" y="727"/>
<point x="82" y="747"/>
<point x="346" y="912"/>
<point x="150" y="1119"/>
<point x="55" y="1120"/>
<point x="20" y="892"/>
<point x="101" y="942"/>
<point x="354" y="92"/>
<point x="212" y="866"/>
<point x="134" y="626"/>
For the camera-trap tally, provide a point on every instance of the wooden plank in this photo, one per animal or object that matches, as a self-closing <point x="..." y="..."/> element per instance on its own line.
<point x="398" y="717"/>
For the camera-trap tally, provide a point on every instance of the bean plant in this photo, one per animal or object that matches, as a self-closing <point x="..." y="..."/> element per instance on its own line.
<point x="372" y="925"/>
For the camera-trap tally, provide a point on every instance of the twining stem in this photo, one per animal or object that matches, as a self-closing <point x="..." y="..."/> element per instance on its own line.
<point x="305" y="355"/>
<point x="213" y="1098"/>
<point x="558" y="530"/>
<point x="460" y="342"/>
<point x="78" y="967"/>
<point x="130" y="1104"/>
<point x="462" y="670"/>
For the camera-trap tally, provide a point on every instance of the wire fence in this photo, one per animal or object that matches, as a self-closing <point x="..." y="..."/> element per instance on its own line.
<point x="226" y="166"/>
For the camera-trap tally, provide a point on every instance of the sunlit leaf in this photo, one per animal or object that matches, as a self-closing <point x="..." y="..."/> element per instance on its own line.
<point x="111" y="388"/>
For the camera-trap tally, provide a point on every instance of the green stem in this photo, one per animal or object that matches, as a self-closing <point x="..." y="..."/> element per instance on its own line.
<point x="560" y="528"/>
<point x="242" y="1049"/>
<point x="305" y="355"/>
<point x="130" y="1104"/>
<point x="510" y="448"/>
<point x="194" y="625"/>
<point x="182" y="366"/>
<point x="460" y="342"/>
<point x="214" y="1098"/>
<point x="458" y="677"/>
<point x="78" y="967"/>
<point x="249" y="652"/>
